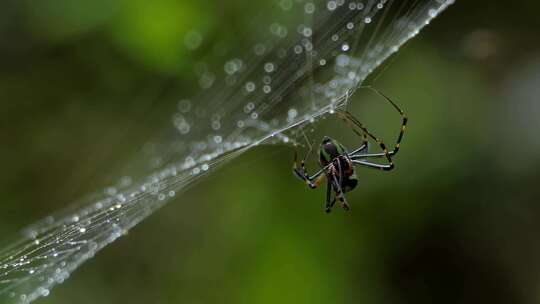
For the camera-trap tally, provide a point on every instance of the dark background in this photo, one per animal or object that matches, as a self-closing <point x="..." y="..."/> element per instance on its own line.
<point x="456" y="222"/>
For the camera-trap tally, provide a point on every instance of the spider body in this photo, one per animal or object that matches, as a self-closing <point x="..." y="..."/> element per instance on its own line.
<point x="333" y="152"/>
<point x="338" y="165"/>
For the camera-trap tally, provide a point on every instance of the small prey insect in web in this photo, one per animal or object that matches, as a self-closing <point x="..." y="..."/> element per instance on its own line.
<point x="337" y="164"/>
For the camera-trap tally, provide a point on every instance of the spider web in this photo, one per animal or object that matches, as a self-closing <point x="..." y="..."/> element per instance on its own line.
<point x="307" y="62"/>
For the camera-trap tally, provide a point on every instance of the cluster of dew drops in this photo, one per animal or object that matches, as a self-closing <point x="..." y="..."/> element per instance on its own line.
<point x="188" y="117"/>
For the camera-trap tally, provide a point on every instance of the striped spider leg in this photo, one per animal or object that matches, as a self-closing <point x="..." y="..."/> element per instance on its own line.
<point x="301" y="172"/>
<point x="358" y="155"/>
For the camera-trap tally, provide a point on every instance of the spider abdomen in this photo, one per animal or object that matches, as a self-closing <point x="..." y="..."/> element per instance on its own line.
<point x="349" y="183"/>
<point x="343" y="170"/>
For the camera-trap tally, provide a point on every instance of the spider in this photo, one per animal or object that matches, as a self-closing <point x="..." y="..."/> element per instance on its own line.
<point x="337" y="164"/>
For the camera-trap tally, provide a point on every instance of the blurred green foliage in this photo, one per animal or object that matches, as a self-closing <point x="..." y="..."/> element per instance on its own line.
<point x="84" y="84"/>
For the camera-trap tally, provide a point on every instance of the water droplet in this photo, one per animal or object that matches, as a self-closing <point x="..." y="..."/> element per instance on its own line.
<point x="206" y="80"/>
<point x="193" y="40"/>
<point x="286" y="4"/>
<point x="216" y="125"/>
<point x="233" y="66"/>
<point x="291" y="114"/>
<point x="259" y="49"/>
<point x="269" y="67"/>
<point x="184" y="127"/>
<point x="184" y="105"/>
<point x="307" y="32"/>
<point x="125" y="181"/>
<point x="250" y="86"/>
<point x="309" y="8"/>
<point x="249" y="107"/>
<point x="331" y="5"/>
<point x="110" y="191"/>
<point x="278" y="30"/>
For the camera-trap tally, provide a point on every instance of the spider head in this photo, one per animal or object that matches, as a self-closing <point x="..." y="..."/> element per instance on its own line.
<point x="326" y="140"/>
<point x="329" y="150"/>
